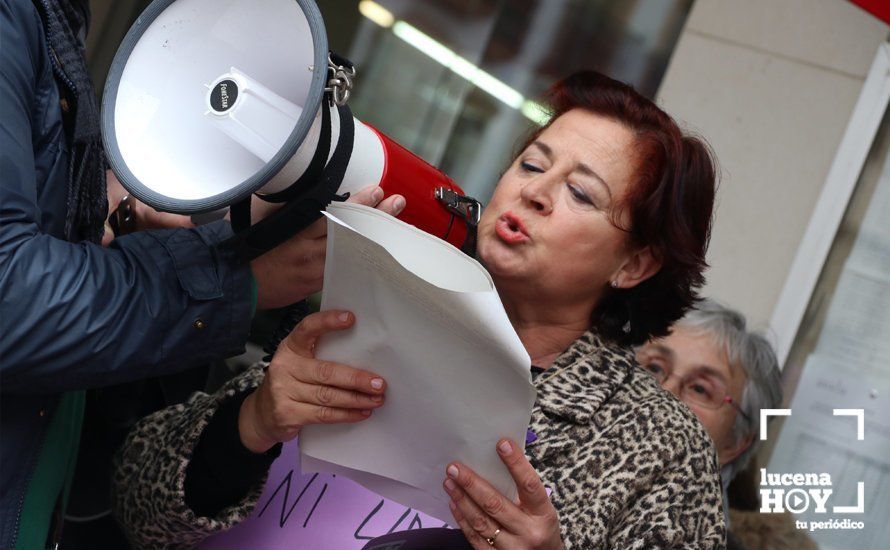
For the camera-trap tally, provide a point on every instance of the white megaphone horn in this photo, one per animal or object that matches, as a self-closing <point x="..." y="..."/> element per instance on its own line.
<point x="210" y="102"/>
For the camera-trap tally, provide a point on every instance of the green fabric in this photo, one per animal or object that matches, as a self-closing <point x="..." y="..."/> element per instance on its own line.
<point x="53" y="474"/>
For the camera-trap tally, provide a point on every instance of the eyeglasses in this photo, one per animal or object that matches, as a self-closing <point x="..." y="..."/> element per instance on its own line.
<point x="699" y="388"/>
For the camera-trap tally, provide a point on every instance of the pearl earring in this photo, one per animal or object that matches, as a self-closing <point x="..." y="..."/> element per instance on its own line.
<point x="614" y="284"/>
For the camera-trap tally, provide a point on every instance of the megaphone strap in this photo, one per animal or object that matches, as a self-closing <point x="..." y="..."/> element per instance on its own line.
<point x="466" y="208"/>
<point x="239" y="213"/>
<point x="313" y="172"/>
<point x="302" y="210"/>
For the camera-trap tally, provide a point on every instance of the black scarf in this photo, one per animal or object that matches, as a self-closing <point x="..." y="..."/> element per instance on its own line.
<point x="65" y="23"/>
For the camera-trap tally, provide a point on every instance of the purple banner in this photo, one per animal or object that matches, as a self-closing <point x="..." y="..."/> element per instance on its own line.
<point x="318" y="511"/>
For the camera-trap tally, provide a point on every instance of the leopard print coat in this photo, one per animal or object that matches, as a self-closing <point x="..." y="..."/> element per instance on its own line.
<point x="629" y="466"/>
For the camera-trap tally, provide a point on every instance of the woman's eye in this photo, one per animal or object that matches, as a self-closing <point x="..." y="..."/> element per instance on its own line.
<point x="579" y="195"/>
<point x="654" y="368"/>
<point x="701" y="389"/>
<point x="528" y="167"/>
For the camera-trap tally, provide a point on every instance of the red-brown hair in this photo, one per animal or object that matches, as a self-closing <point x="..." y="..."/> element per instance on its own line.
<point x="669" y="205"/>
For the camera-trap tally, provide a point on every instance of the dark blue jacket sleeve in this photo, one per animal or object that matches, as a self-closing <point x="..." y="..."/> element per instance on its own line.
<point x="76" y="315"/>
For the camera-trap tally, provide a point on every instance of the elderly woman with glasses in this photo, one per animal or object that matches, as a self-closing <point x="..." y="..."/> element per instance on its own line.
<point x="595" y="238"/>
<point x="724" y="373"/>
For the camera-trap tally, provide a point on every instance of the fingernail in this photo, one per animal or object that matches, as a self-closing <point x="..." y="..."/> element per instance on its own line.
<point x="452" y="470"/>
<point x="398" y="205"/>
<point x="377" y="195"/>
<point x="505" y="448"/>
<point x="366" y="412"/>
<point x="452" y="505"/>
<point x="343" y="317"/>
<point x="450" y="485"/>
<point x="377" y="383"/>
<point x="377" y="398"/>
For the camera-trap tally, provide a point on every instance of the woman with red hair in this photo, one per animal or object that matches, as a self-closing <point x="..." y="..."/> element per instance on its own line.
<point x="595" y="237"/>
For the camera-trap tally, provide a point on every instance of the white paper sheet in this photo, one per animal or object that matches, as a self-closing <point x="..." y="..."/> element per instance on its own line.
<point x="428" y="319"/>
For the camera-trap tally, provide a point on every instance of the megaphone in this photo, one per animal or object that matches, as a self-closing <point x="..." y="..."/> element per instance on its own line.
<point x="210" y="102"/>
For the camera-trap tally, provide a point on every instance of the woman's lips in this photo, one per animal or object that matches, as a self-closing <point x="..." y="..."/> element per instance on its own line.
<point x="511" y="230"/>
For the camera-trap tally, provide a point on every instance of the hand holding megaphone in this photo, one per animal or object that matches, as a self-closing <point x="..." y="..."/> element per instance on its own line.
<point x="131" y="214"/>
<point x="211" y="106"/>
<point x="294" y="270"/>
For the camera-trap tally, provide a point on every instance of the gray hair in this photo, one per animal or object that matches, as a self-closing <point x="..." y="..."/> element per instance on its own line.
<point x="753" y="353"/>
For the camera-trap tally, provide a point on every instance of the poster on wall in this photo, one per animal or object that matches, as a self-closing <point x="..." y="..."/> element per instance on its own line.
<point x="831" y="465"/>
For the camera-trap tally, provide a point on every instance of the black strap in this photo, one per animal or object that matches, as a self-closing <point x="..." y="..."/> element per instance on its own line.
<point x="316" y="166"/>
<point x="239" y="213"/>
<point x="306" y="205"/>
<point x="311" y="207"/>
<point x="473" y="213"/>
<point x="469" y="246"/>
<point x="467" y="209"/>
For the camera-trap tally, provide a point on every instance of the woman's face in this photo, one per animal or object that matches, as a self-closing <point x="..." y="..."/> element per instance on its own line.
<point x="547" y="230"/>
<point x="689" y="364"/>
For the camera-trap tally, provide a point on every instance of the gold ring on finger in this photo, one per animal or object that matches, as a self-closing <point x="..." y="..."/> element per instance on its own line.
<point x="490" y="540"/>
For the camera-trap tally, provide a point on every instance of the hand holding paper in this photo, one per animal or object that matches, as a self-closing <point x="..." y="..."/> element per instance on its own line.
<point x="480" y="509"/>
<point x="430" y="322"/>
<point x="299" y="389"/>
<point x="294" y="269"/>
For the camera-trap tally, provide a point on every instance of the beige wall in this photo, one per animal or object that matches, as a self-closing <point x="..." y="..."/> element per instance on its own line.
<point x="771" y="85"/>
